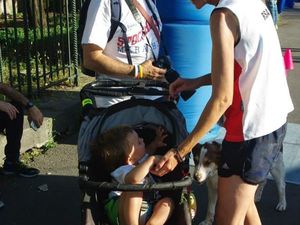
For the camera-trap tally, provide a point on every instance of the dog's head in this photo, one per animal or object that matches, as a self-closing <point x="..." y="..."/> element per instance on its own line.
<point x="206" y="158"/>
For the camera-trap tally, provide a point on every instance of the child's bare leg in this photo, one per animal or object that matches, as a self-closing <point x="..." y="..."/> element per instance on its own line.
<point x="161" y="212"/>
<point x="129" y="207"/>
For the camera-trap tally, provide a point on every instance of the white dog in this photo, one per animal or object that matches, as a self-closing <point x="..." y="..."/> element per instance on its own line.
<point x="206" y="169"/>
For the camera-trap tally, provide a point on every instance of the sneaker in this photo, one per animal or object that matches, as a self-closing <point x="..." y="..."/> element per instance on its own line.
<point x="20" y="169"/>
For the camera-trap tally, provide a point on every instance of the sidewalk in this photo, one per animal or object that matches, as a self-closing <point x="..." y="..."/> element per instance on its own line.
<point x="53" y="197"/>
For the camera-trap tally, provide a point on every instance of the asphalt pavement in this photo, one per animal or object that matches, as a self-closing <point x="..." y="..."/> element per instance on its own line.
<point x="53" y="198"/>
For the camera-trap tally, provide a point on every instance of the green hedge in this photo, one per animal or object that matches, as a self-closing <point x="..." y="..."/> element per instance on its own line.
<point x="47" y="45"/>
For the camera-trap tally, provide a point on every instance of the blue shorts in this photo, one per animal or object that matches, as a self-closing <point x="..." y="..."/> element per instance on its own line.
<point x="253" y="159"/>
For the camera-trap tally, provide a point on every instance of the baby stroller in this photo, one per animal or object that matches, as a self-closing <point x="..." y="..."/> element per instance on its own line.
<point x="138" y="106"/>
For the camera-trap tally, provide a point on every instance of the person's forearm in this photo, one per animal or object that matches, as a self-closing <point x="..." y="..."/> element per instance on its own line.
<point x="209" y="117"/>
<point x="203" y="80"/>
<point x="13" y="95"/>
<point x="137" y="174"/>
<point x="95" y="60"/>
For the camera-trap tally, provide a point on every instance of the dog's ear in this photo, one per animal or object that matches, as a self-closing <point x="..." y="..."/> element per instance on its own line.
<point x="196" y="153"/>
<point x="213" y="151"/>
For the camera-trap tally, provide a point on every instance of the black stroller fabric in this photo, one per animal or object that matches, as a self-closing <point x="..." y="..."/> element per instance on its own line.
<point x="131" y="112"/>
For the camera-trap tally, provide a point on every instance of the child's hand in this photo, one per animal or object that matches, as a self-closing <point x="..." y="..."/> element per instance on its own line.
<point x="156" y="159"/>
<point x="160" y="137"/>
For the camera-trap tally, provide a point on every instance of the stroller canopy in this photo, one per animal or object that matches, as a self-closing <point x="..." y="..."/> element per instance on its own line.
<point x="131" y="112"/>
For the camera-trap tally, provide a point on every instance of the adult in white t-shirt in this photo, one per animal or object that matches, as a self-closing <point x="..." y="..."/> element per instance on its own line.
<point x="109" y="58"/>
<point x="249" y="87"/>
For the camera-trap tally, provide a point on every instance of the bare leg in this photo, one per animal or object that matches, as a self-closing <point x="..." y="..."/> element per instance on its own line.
<point x="235" y="198"/>
<point x="129" y="208"/>
<point x="252" y="216"/>
<point x="161" y="212"/>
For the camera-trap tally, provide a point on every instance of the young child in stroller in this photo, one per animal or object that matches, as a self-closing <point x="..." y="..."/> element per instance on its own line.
<point x="125" y="156"/>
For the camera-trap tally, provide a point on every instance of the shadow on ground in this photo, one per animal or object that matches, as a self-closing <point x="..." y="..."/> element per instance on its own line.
<point x="25" y="204"/>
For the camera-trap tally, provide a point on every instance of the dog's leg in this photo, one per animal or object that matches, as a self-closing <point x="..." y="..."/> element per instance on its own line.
<point x="212" y="185"/>
<point x="278" y="173"/>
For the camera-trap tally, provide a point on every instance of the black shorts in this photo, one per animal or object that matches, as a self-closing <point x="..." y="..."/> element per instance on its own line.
<point x="253" y="159"/>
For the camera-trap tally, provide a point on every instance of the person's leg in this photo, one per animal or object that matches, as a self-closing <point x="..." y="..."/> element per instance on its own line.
<point x="161" y="212"/>
<point x="235" y="198"/>
<point x="243" y="166"/>
<point x="252" y="216"/>
<point x="14" y="132"/>
<point x="129" y="208"/>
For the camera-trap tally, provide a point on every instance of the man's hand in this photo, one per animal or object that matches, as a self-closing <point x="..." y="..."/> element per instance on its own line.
<point x="151" y="72"/>
<point x="166" y="164"/>
<point x="35" y="115"/>
<point x="10" y="109"/>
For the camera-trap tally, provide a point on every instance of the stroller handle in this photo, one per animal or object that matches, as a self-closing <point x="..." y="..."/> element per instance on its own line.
<point x="186" y="181"/>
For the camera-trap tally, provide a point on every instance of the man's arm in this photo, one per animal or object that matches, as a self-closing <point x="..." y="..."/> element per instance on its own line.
<point x="95" y="60"/>
<point x="34" y="114"/>
<point x="13" y="94"/>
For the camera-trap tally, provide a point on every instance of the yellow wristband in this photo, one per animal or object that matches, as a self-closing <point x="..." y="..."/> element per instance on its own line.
<point x="141" y="74"/>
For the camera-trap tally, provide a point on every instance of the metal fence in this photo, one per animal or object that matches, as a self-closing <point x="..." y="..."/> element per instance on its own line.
<point x="38" y="43"/>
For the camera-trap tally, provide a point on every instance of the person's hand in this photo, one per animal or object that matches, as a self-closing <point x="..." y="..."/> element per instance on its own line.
<point x="10" y="109"/>
<point x="178" y="86"/>
<point x="152" y="72"/>
<point x="166" y="164"/>
<point x="35" y="115"/>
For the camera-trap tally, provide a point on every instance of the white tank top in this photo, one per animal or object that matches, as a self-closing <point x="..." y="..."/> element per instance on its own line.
<point x="261" y="95"/>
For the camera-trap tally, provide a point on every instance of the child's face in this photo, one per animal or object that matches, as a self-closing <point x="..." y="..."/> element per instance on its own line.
<point x="137" y="145"/>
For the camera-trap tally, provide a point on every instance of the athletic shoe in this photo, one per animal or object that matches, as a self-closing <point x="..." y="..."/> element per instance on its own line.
<point x="20" y="169"/>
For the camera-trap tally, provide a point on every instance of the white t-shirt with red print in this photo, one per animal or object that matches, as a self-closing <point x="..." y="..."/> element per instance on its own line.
<point x="98" y="26"/>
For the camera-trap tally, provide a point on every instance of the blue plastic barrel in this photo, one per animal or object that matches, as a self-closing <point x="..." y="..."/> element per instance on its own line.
<point x="182" y="10"/>
<point x="281" y="5"/>
<point x="289" y="4"/>
<point x="189" y="46"/>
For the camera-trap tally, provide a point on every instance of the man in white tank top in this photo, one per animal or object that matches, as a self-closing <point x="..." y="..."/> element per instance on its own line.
<point x="250" y="89"/>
